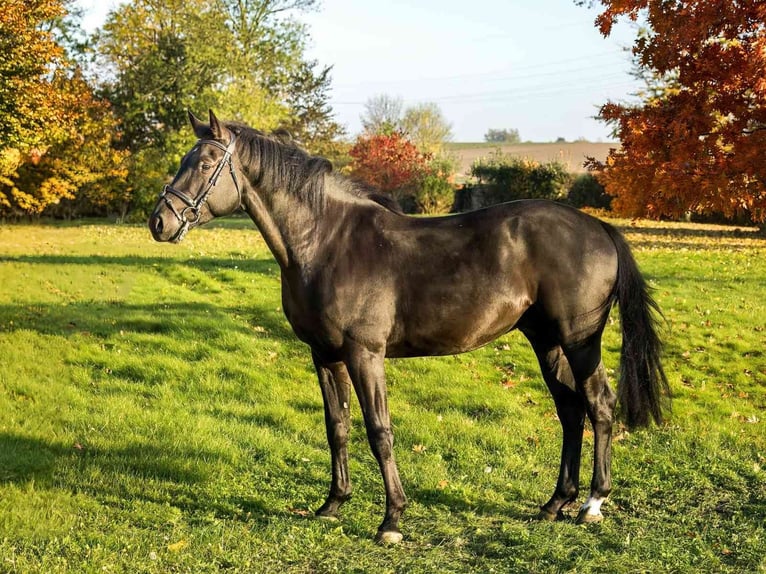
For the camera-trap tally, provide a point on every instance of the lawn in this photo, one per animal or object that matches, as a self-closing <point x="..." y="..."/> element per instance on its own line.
<point x="157" y="415"/>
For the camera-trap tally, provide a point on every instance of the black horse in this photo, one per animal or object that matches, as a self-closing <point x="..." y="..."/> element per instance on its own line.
<point x="362" y="282"/>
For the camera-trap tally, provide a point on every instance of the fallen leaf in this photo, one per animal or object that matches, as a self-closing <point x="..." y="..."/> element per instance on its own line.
<point x="178" y="546"/>
<point x="300" y="512"/>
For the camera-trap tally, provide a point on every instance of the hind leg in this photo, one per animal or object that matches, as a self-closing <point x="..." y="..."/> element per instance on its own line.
<point x="570" y="408"/>
<point x="600" y="401"/>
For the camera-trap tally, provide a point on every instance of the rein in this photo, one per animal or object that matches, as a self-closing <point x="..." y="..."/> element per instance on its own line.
<point x="193" y="205"/>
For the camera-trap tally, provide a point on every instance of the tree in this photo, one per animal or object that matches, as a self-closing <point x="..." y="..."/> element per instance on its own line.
<point x="697" y="140"/>
<point x="422" y="124"/>
<point x="54" y="132"/>
<point x="387" y="162"/>
<point x="243" y="58"/>
<point x="382" y="114"/>
<point x="392" y="164"/>
<point x="160" y="57"/>
<point x="311" y="116"/>
<point x="33" y="112"/>
<point x="503" y="136"/>
<point x="426" y="127"/>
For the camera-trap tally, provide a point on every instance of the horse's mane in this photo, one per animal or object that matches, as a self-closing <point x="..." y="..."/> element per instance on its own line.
<point x="283" y="164"/>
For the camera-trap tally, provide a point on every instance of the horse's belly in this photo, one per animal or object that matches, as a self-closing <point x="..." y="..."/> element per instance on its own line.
<point x="455" y="331"/>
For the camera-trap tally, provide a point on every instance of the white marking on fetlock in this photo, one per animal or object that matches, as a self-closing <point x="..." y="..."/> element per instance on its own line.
<point x="592" y="506"/>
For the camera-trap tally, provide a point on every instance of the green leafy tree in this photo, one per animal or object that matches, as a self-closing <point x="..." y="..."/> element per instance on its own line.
<point x="159" y="58"/>
<point x="244" y="58"/>
<point x="426" y="127"/>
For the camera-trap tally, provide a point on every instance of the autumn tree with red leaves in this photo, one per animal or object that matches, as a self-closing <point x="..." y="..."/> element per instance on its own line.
<point x="388" y="162"/>
<point x="697" y="141"/>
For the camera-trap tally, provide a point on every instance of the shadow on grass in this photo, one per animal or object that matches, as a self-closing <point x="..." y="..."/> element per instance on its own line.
<point x="105" y="319"/>
<point x="693" y="239"/>
<point x="659" y="229"/>
<point x="119" y="476"/>
<point x="207" y="264"/>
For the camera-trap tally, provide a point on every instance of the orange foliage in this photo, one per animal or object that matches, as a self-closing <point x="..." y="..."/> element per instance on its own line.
<point x="55" y="135"/>
<point x="28" y="59"/>
<point x="699" y="142"/>
<point x="388" y="162"/>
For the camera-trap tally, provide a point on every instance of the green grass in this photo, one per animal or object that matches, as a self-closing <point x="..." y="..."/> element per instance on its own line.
<point x="157" y="415"/>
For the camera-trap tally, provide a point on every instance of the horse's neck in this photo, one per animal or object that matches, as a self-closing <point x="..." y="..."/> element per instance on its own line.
<point x="289" y="227"/>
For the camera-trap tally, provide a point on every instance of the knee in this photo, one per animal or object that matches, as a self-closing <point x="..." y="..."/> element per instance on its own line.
<point x="602" y="407"/>
<point x="382" y="441"/>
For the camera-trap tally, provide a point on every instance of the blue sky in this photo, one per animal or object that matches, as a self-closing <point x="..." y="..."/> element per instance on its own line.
<point x="539" y="66"/>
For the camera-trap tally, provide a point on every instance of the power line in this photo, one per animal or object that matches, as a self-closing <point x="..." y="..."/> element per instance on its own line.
<point x="585" y="84"/>
<point x="502" y="75"/>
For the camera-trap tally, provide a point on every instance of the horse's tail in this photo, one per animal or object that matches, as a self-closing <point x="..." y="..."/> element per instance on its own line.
<point x="642" y="379"/>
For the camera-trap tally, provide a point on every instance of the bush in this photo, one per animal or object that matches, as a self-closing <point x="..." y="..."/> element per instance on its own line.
<point x="507" y="178"/>
<point x="586" y="191"/>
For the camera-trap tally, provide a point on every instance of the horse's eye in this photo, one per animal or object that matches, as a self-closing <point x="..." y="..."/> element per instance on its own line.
<point x="205" y="166"/>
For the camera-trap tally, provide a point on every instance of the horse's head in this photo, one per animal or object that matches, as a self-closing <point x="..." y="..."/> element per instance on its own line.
<point x="205" y="187"/>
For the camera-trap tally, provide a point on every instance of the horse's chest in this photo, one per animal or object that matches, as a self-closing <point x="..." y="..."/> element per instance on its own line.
<point x="310" y="320"/>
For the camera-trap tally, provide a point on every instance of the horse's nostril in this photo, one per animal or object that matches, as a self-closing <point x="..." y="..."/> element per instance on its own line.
<point x="158" y="225"/>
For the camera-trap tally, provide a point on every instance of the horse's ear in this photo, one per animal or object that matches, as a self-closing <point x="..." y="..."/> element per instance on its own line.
<point x="200" y="129"/>
<point x="283" y="135"/>
<point x="216" y="127"/>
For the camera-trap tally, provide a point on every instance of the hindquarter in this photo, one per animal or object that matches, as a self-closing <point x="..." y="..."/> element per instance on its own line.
<point x="573" y="262"/>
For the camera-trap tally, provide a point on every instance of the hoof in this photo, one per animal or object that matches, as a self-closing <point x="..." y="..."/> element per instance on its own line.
<point x="584" y="518"/>
<point x="327" y="517"/>
<point x="548" y="516"/>
<point x="388" y="537"/>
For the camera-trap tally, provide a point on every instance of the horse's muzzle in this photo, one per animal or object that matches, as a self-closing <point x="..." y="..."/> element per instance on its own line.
<point x="158" y="228"/>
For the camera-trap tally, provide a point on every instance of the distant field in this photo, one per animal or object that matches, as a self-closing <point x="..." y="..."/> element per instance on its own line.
<point x="158" y="416"/>
<point x="571" y="154"/>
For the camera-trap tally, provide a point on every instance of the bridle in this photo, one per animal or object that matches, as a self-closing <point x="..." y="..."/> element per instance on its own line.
<point x="193" y="204"/>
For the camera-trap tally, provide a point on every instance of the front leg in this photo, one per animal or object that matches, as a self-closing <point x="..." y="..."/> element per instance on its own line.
<point x="335" y="384"/>
<point x="368" y="377"/>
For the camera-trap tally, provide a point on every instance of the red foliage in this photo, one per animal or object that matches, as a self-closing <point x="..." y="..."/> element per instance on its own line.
<point x="388" y="162"/>
<point x="699" y="142"/>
